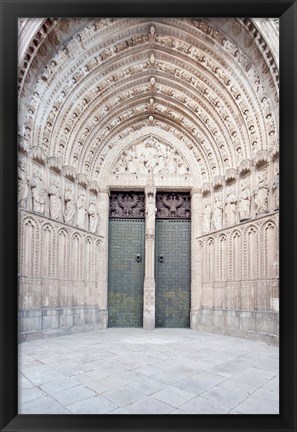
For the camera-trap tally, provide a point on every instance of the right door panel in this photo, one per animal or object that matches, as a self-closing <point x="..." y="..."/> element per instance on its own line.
<point x="173" y="273"/>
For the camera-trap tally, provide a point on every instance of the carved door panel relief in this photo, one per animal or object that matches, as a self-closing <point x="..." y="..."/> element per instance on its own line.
<point x="173" y="255"/>
<point x="126" y="260"/>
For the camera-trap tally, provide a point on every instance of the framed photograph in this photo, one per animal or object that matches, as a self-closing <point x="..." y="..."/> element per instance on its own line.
<point x="148" y="215"/>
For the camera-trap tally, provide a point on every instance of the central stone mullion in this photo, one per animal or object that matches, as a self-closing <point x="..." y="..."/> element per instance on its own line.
<point x="149" y="272"/>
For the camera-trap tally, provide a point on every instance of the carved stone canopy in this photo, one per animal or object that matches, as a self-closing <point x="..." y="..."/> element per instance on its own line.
<point x="151" y="155"/>
<point x="126" y="205"/>
<point x="173" y="205"/>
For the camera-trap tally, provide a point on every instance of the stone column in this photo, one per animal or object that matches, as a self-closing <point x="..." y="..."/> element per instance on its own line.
<point x="102" y="282"/>
<point x="149" y="272"/>
<point x="196" y="257"/>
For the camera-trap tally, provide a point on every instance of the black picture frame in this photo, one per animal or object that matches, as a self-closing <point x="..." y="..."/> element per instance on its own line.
<point x="287" y="12"/>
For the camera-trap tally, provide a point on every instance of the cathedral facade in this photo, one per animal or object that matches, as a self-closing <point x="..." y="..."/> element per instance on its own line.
<point x="148" y="175"/>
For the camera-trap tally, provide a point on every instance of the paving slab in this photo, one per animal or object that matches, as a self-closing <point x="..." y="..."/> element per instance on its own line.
<point x="174" y="396"/>
<point x="93" y="405"/>
<point x="149" y="405"/>
<point x="73" y="394"/>
<point x="124" y="396"/>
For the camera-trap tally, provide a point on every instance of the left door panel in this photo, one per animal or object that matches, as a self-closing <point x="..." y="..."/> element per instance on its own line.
<point x="125" y="272"/>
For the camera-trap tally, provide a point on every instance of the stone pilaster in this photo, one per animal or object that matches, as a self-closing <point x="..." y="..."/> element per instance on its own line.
<point x="102" y="282"/>
<point x="149" y="275"/>
<point x="196" y="256"/>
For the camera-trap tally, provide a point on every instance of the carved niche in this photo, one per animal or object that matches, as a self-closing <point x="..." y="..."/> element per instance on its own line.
<point x="173" y="205"/>
<point x="151" y="156"/>
<point x="126" y="205"/>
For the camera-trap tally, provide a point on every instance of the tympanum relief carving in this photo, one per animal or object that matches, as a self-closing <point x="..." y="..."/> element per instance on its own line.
<point x="151" y="156"/>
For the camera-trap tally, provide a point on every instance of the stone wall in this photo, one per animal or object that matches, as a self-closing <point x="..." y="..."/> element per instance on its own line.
<point x="59" y="274"/>
<point x="240" y="282"/>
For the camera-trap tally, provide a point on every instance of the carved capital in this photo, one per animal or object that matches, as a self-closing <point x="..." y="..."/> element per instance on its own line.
<point x="261" y="158"/>
<point x="218" y="182"/>
<point x="206" y="188"/>
<point x="54" y="163"/>
<point x="82" y="180"/>
<point x="245" y="167"/>
<point x="38" y="155"/>
<point x="231" y="175"/>
<point x="93" y="186"/>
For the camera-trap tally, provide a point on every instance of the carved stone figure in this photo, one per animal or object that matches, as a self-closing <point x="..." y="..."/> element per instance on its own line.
<point x="218" y="213"/>
<point x="23" y="184"/>
<point x="131" y="160"/>
<point x="275" y="188"/>
<point x="55" y="203"/>
<point x="206" y="217"/>
<point x="38" y="193"/>
<point x="69" y="212"/>
<point x="81" y="211"/>
<point x="230" y="208"/>
<point x="244" y="201"/>
<point x="93" y="215"/>
<point x="261" y="194"/>
<point x="150" y="215"/>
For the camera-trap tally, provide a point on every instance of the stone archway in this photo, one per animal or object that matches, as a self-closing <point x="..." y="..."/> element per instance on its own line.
<point x="193" y="100"/>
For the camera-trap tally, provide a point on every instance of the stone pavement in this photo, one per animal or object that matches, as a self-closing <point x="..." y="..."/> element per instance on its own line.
<point x="133" y="371"/>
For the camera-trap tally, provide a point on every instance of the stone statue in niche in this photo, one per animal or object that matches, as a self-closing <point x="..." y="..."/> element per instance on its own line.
<point x="206" y="217"/>
<point x="261" y="194"/>
<point x="69" y="212"/>
<point x="38" y="192"/>
<point x="23" y="183"/>
<point x="245" y="201"/>
<point x="275" y="188"/>
<point x="230" y="208"/>
<point x="81" y="211"/>
<point x="218" y="213"/>
<point x="55" y="202"/>
<point x="93" y="215"/>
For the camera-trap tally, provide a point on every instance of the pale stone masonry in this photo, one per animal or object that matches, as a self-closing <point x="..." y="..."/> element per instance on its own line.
<point x="165" y="104"/>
